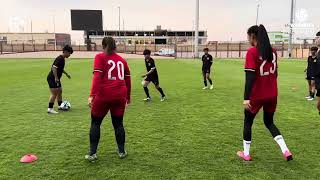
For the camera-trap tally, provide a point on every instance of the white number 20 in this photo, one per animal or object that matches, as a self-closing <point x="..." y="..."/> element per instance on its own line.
<point x="272" y="70"/>
<point x="120" y="68"/>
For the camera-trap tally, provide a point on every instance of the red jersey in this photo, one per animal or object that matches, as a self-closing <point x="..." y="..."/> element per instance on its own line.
<point x="111" y="78"/>
<point x="265" y="85"/>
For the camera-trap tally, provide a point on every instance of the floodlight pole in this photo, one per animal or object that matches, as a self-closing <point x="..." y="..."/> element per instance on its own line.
<point x="54" y="32"/>
<point x="258" y="8"/>
<point x="291" y="30"/>
<point x="196" y="39"/>
<point x="119" y="23"/>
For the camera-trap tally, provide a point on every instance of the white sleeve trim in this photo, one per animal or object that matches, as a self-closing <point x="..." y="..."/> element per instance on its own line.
<point x="54" y="66"/>
<point x="97" y="70"/>
<point x="250" y="70"/>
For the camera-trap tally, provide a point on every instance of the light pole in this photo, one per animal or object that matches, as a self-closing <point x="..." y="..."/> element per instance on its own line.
<point x="291" y="30"/>
<point x="119" y="22"/>
<point x="54" y="32"/>
<point x="196" y="39"/>
<point x="258" y="9"/>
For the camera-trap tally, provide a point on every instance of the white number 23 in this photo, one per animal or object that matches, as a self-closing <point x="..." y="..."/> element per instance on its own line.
<point x="272" y="69"/>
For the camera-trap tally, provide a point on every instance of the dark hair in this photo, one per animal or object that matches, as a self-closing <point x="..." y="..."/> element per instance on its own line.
<point x="206" y="49"/>
<point x="67" y="48"/>
<point x="263" y="42"/>
<point x="146" y="52"/>
<point x="314" y="48"/>
<point x="109" y="44"/>
<point x="318" y="34"/>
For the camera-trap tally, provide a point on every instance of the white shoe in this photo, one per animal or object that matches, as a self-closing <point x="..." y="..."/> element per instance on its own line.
<point x="211" y="87"/>
<point x="122" y="155"/>
<point x="163" y="99"/>
<point x="310" y="99"/>
<point x="204" y="88"/>
<point x="147" y="99"/>
<point x="92" y="158"/>
<point x="51" y="111"/>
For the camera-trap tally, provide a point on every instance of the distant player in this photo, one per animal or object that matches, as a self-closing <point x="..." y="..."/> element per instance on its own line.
<point x="151" y="76"/>
<point x="54" y="78"/>
<point x="110" y="91"/>
<point x="317" y="71"/>
<point x="312" y="60"/>
<point x="261" y="89"/>
<point x="207" y="61"/>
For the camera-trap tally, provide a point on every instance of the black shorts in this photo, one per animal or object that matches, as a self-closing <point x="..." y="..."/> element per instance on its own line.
<point x="52" y="83"/>
<point x="154" y="80"/>
<point x="205" y="71"/>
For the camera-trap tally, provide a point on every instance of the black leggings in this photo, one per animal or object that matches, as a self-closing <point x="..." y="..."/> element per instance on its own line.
<point x="119" y="131"/>
<point x="268" y="122"/>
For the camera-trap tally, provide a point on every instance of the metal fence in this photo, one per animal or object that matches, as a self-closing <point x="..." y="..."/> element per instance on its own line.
<point x="218" y="49"/>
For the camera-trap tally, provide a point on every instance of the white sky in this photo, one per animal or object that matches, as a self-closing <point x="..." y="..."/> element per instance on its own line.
<point x="223" y="19"/>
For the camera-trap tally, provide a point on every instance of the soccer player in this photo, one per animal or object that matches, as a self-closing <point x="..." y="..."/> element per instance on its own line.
<point x="54" y="78"/>
<point x="151" y="76"/>
<point x="261" y="89"/>
<point x="110" y="90"/>
<point x="207" y="61"/>
<point x="312" y="60"/>
<point x="317" y="70"/>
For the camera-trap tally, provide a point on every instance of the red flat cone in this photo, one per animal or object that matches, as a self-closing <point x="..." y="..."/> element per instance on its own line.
<point x="29" y="158"/>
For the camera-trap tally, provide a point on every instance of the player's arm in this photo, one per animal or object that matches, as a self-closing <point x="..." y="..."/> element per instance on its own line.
<point x="98" y="70"/>
<point x="153" y="68"/>
<point x="210" y="60"/>
<point x="54" y="69"/>
<point x="64" y="72"/>
<point x="55" y="73"/>
<point x="151" y="71"/>
<point x="250" y="76"/>
<point x="127" y="78"/>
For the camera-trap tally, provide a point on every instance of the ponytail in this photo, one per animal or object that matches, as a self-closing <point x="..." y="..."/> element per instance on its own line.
<point x="263" y="44"/>
<point x="109" y="45"/>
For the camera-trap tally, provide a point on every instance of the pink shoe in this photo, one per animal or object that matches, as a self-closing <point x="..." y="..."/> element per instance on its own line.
<point x="288" y="156"/>
<point x="29" y="158"/>
<point x="241" y="155"/>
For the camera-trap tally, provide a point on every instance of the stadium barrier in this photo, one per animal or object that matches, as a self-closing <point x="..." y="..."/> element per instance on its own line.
<point x="217" y="49"/>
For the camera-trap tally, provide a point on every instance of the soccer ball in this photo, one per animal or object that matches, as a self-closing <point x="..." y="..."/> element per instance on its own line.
<point x="65" y="105"/>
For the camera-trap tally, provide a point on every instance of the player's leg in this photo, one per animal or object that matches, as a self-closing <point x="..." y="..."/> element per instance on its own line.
<point x="117" y="113"/>
<point x="249" y="115"/>
<point x="146" y="90"/>
<point x="99" y="110"/>
<point x="209" y="79"/>
<point x="94" y="134"/>
<point x="204" y="79"/>
<point x="268" y="118"/>
<point x="59" y="97"/>
<point x="53" y="96"/>
<point x="313" y="89"/>
<point x="157" y="86"/>
<point x="309" y="88"/>
<point x="247" y="134"/>
<point x="318" y="97"/>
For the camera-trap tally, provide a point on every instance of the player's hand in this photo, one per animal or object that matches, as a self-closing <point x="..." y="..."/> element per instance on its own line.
<point x="90" y="99"/>
<point x="305" y="70"/>
<point x="68" y="76"/>
<point x="143" y="76"/>
<point x="57" y="80"/>
<point x="128" y="102"/>
<point x="246" y="104"/>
